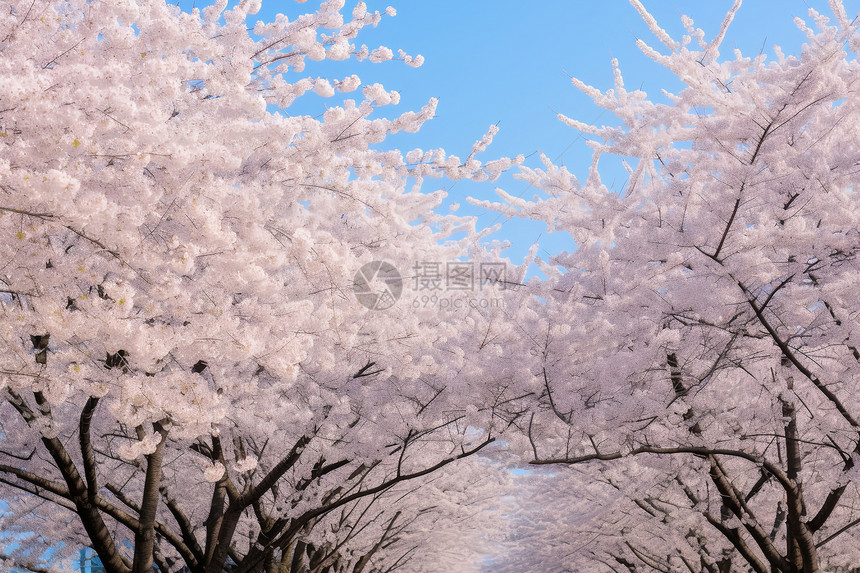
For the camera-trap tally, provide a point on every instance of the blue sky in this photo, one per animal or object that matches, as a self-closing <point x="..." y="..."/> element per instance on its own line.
<point x="509" y="62"/>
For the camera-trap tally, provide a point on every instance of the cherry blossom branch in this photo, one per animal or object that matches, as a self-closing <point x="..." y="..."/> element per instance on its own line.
<point x="648" y="560"/>
<point x="112" y="252"/>
<point x="837" y="533"/>
<point x="363" y="561"/>
<point x="731" y="534"/>
<point x="238" y="505"/>
<point x="54" y="60"/>
<point x="789" y="353"/>
<point x="56" y="488"/>
<point x="716" y="255"/>
<point x="25" y="565"/>
<point x="248" y="565"/>
<point x="735" y="502"/>
<point x="85" y="440"/>
<point x="826" y="509"/>
<point x="216" y="504"/>
<point x="144" y="538"/>
<point x="133" y="524"/>
<point x="734" y="537"/>
<point x="185" y="527"/>
<point x="44" y="216"/>
<point x="18" y="25"/>
<point x="89" y="514"/>
<point x="564" y="418"/>
<point x="773" y="469"/>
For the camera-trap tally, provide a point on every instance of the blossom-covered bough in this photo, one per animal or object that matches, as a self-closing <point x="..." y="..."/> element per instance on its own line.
<point x="705" y="327"/>
<point x="187" y="377"/>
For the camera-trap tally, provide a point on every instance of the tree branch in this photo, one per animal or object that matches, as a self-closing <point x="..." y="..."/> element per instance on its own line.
<point x="87" y="446"/>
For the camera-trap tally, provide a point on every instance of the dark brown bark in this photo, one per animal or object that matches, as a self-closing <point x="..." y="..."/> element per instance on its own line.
<point x="800" y="545"/>
<point x="285" y="538"/>
<point x="87" y="446"/>
<point x="90" y="517"/>
<point x="362" y="563"/>
<point x="144" y="537"/>
<point x="234" y="511"/>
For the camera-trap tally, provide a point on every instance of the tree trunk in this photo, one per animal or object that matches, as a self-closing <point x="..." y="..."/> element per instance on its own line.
<point x="144" y="537"/>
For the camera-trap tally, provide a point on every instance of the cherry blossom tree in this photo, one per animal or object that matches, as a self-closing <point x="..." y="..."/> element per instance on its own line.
<point x="188" y="379"/>
<point x="705" y="324"/>
<point x="451" y="523"/>
<point x="606" y="517"/>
